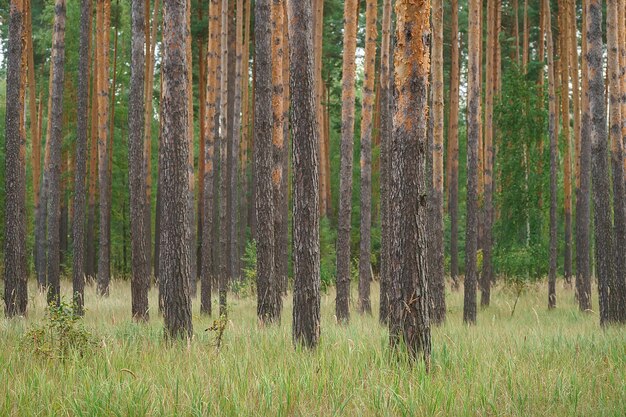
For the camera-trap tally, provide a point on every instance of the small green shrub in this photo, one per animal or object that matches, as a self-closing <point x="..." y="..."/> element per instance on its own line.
<point x="60" y="335"/>
<point x="247" y="285"/>
<point x="328" y="254"/>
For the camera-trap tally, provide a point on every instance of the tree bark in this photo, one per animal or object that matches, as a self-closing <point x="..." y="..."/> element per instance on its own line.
<point x="453" y="148"/>
<point x="436" y="279"/>
<point x="201" y="43"/>
<point x="365" y="247"/>
<point x="140" y="280"/>
<point x="342" y="307"/>
<point x="305" y="130"/>
<point x="318" y="37"/>
<point x="565" y="117"/>
<point x="151" y="39"/>
<point x="15" y="255"/>
<point x="223" y="176"/>
<point x="617" y="287"/>
<point x="583" y="192"/>
<point x="473" y="132"/>
<point x="35" y="126"/>
<point x="268" y="293"/>
<point x="410" y="320"/>
<point x="174" y="262"/>
<point x="211" y="124"/>
<point x="385" y="138"/>
<point x="102" y="31"/>
<point x="82" y="119"/>
<point x="552" y="120"/>
<point x="279" y="150"/>
<point x="599" y="157"/>
<point x="56" y="142"/>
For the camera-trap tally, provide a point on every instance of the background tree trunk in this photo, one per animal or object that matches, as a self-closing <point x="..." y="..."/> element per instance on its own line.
<point x="552" y="121"/>
<point x="436" y="279"/>
<point x="268" y="293"/>
<point x="473" y="132"/>
<point x="279" y="150"/>
<point x="140" y="281"/>
<point x="365" y="266"/>
<point x="342" y="308"/>
<point x="453" y="147"/>
<point x="82" y="119"/>
<point x="385" y="138"/>
<point x="583" y="207"/>
<point x="306" y="241"/>
<point x="223" y="178"/>
<point x="102" y="31"/>
<point x="56" y="142"/>
<point x="617" y="287"/>
<point x="211" y="124"/>
<point x="564" y="61"/>
<point x="599" y="157"/>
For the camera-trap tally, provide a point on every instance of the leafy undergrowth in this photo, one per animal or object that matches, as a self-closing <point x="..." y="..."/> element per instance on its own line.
<point x="537" y="362"/>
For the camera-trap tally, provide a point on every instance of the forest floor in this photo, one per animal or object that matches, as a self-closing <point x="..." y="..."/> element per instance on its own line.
<point x="536" y="363"/>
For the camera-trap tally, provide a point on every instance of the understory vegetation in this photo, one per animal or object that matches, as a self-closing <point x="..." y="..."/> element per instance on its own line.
<point x="537" y="362"/>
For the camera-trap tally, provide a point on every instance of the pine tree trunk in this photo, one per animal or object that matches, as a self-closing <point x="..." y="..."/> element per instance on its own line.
<point x="210" y="124"/>
<point x="318" y="32"/>
<point x="245" y="133"/>
<point x="599" y="158"/>
<point x="104" y="261"/>
<point x="268" y="291"/>
<point x="342" y="308"/>
<point x="409" y="320"/>
<point x="573" y="68"/>
<point x="15" y="253"/>
<point x="284" y="233"/>
<point x="436" y="279"/>
<point x="552" y="134"/>
<point x="565" y="117"/>
<point x="617" y="287"/>
<point x="490" y="87"/>
<point x="202" y="79"/>
<point x="174" y="262"/>
<point x="42" y="221"/>
<point x="365" y="266"/>
<point x="525" y="41"/>
<point x="583" y="192"/>
<point x="473" y="133"/>
<point x="279" y="150"/>
<point x="190" y="161"/>
<point x="385" y="138"/>
<point x="82" y="119"/>
<point x="235" y="145"/>
<point x="35" y="129"/>
<point x="148" y="92"/>
<point x="453" y="148"/>
<point x="140" y="281"/>
<point x="56" y="141"/>
<point x="223" y="176"/>
<point x="306" y="242"/>
<point x="90" y="249"/>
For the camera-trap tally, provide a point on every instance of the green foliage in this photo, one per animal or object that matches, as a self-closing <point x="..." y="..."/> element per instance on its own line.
<point x="522" y="171"/>
<point x="247" y="285"/>
<point x="328" y="254"/>
<point x="61" y="334"/>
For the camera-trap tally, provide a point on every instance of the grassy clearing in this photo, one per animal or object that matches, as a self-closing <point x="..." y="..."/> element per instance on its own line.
<point x="539" y="362"/>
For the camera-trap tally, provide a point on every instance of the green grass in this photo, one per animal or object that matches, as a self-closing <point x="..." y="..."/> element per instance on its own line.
<point x="539" y="362"/>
